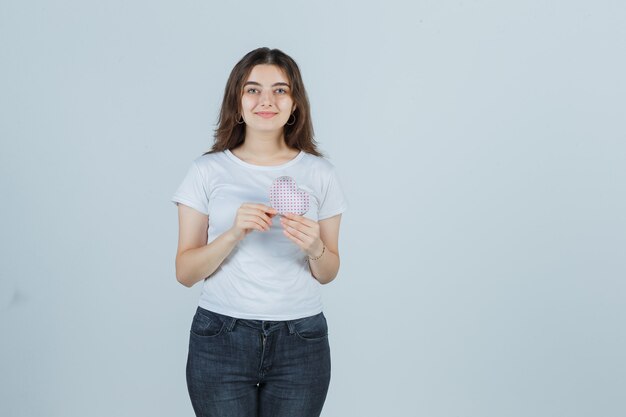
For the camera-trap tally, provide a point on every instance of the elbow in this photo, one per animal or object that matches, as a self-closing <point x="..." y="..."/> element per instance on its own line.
<point x="326" y="280"/>
<point x="185" y="279"/>
<point x="329" y="280"/>
<point x="182" y="281"/>
<point x="181" y="276"/>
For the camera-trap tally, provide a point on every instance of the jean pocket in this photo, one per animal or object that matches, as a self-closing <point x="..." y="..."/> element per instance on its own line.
<point x="312" y="328"/>
<point x="205" y="324"/>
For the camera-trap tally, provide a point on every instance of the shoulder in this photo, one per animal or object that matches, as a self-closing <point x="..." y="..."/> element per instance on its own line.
<point x="318" y="162"/>
<point x="209" y="161"/>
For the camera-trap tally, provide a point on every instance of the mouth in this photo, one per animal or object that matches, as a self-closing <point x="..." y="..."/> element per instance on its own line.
<point x="266" y="114"/>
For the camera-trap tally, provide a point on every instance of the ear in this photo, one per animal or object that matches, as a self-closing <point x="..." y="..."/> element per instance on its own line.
<point x="294" y="108"/>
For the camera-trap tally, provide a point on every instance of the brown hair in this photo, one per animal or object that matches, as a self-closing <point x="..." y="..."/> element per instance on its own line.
<point x="229" y="134"/>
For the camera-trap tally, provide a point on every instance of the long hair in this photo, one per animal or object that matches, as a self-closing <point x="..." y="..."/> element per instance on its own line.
<point x="229" y="134"/>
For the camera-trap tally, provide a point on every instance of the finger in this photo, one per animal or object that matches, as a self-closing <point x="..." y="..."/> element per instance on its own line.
<point x="264" y="208"/>
<point x="256" y="223"/>
<point x="294" y="238"/>
<point x="290" y="224"/>
<point x="299" y="233"/>
<point x="267" y="218"/>
<point x="287" y="223"/>
<point x="267" y="213"/>
<point x="253" y="226"/>
<point x="301" y="219"/>
<point x="308" y="229"/>
<point x="254" y="211"/>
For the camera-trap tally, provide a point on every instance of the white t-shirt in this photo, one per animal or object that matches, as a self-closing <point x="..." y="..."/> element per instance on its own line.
<point x="266" y="276"/>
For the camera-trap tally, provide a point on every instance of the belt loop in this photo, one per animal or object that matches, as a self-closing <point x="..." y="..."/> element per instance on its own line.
<point x="231" y="323"/>
<point x="291" y="326"/>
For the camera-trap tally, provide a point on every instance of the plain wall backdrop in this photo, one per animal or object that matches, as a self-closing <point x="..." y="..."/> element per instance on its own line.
<point x="482" y="147"/>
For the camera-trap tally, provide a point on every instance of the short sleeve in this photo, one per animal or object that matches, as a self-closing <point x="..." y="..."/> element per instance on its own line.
<point x="192" y="192"/>
<point x="334" y="201"/>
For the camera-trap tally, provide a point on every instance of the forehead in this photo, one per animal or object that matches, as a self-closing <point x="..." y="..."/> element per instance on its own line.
<point x="267" y="73"/>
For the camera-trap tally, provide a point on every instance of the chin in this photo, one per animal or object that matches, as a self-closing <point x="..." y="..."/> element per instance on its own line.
<point x="267" y="128"/>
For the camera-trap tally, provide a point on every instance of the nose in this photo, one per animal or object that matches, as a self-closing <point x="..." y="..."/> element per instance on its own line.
<point x="266" y="98"/>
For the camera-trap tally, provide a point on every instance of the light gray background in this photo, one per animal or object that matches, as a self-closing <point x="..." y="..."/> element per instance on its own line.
<point x="482" y="148"/>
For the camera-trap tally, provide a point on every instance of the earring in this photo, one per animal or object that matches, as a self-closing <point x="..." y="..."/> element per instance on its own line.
<point x="294" y="120"/>
<point x="238" y="122"/>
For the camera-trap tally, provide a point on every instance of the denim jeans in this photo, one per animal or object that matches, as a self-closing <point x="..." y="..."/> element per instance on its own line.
<point x="254" y="368"/>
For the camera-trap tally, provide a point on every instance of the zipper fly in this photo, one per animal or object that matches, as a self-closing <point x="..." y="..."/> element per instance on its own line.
<point x="262" y="352"/>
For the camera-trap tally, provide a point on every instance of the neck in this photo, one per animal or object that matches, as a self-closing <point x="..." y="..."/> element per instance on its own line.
<point x="264" y="144"/>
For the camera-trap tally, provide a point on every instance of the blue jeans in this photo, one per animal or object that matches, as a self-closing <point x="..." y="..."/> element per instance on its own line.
<point x="254" y="368"/>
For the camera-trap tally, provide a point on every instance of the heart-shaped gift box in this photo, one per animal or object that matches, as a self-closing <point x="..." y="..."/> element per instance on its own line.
<point x="286" y="197"/>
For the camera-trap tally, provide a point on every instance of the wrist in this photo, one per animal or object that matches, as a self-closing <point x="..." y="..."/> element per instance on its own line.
<point x="314" y="258"/>
<point x="231" y="236"/>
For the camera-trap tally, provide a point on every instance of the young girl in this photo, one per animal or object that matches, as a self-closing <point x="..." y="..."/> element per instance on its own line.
<point x="259" y="222"/>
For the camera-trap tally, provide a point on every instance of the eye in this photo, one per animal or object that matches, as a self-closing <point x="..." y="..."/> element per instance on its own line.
<point x="251" y="90"/>
<point x="281" y="91"/>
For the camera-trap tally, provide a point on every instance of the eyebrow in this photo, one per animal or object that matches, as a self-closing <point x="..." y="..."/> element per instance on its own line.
<point x="273" y="85"/>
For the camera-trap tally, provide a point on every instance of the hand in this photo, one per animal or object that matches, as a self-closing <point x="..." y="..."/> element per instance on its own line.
<point x="303" y="232"/>
<point x="252" y="216"/>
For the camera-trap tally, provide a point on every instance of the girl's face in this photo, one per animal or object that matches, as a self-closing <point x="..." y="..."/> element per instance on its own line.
<point x="266" y="101"/>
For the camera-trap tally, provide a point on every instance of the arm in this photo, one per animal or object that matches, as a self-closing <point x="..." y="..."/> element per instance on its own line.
<point x="325" y="268"/>
<point x="195" y="260"/>
<point x="311" y="236"/>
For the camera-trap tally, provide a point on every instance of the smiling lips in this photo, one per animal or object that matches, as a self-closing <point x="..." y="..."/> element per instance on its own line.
<point x="266" y="115"/>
